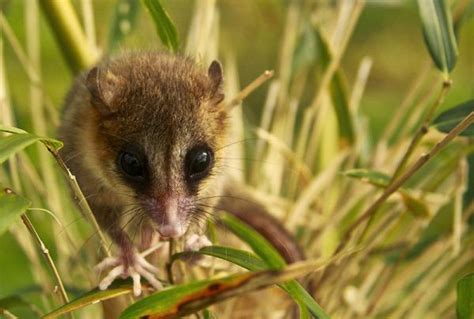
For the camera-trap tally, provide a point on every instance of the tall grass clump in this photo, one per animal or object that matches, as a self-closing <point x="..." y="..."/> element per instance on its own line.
<point x="373" y="176"/>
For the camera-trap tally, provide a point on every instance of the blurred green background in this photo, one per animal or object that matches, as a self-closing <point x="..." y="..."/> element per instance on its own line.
<point x="388" y="32"/>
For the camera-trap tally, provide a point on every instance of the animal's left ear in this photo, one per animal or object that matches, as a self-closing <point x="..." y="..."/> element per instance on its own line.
<point x="215" y="75"/>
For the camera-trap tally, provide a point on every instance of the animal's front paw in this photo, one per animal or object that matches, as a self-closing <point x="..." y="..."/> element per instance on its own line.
<point x="196" y="242"/>
<point x="134" y="266"/>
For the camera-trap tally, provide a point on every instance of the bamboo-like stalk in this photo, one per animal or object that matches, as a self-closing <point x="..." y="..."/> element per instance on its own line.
<point x="67" y="29"/>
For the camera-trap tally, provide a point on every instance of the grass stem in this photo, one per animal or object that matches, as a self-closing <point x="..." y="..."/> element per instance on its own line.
<point x="67" y="29"/>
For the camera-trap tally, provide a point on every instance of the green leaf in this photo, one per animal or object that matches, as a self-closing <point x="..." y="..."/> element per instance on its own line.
<point x="373" y="177"/>
<point x="164" y="25"/>
<point x="465" y="297"/>
<point x="123" y="21"/>
<point x="118" y="288"/>
<point x="242" y="258"/>
<point x="447" y="120"/>
<point x="414" y="205"/>
<point x="11" y="207"/>
<point x="11" y="144"/>
<point x="438" y="33"/>
<point x="256" y="241"/>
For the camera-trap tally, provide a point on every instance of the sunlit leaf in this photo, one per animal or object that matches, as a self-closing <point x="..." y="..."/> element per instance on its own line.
<point x="465" y="297"/>
<point x="12" y="144"/>
<point x="438" y="33"/>
<point x="123" y="21"/>
<point x="11" y="207"/>
<point x="415" y="206"/>
<point x="447" y="120"/>
<point x="164" y="25"/>
<point x="19" y="139"/>
<point x="118" y="288"/>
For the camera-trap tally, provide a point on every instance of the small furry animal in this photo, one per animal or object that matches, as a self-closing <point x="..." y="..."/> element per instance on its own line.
<point x="144" y="133"/>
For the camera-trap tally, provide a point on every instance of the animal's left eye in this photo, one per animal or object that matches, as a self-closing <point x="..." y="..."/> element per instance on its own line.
<point x="131" y="165"/>
<point x="198" y="163"/>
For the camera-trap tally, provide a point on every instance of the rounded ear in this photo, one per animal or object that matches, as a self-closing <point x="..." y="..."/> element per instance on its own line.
<point x="103" y="88"/>
<point x="215" y="75"/>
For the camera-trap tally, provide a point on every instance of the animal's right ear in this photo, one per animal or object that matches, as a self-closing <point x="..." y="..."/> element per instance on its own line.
<point x="102" y="88"/>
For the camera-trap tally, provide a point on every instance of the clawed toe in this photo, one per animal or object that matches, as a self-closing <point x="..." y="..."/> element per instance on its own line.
<point x="140" y="267"/>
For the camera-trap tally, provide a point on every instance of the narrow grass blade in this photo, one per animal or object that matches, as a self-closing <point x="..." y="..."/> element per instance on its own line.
<point x="339" y="95"/>
<point x="447" y="120"/>
<point x="465" y="297"/>
<point x="123" y="21"/>
<point x="164" y="25"/>
<point x="256" y="241"/>
<point x="11" y="207"/>
<point x="438" y="33"/>
<point x="239" y="257"/>
<point x="118" y="288"/>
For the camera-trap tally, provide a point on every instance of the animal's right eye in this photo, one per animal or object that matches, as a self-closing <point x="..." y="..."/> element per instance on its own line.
<point x="131" y="165"/>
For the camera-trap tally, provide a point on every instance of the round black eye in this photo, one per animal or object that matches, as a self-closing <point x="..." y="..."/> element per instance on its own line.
<point x="131" y="165"/>
<point x="198" y="163"/>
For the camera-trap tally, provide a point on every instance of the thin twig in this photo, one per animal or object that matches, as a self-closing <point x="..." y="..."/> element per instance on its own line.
<point x="423" y="128"/>
<point x="47" y="256"/>
<point x="169" y="264"/>
<point x="81" y="201"/>
<point x="249" y="89"/>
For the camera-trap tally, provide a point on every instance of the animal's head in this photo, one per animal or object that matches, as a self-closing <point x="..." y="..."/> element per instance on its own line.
<point x="161" y="127"/>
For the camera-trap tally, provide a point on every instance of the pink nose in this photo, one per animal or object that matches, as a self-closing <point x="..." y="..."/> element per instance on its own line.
<point x="171" y="231"/>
